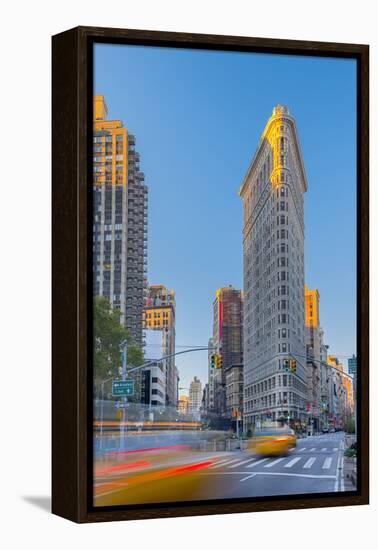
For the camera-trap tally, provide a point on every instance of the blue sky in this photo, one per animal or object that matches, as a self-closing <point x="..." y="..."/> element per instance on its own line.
<point x="197" y="117"/>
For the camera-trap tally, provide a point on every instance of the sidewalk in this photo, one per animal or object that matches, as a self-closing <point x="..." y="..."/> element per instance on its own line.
<point x="350" y="465"/>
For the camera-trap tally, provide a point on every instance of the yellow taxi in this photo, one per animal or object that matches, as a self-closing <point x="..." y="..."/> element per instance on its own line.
<point x="272" y="440"/>
<point x="290" y="433"/>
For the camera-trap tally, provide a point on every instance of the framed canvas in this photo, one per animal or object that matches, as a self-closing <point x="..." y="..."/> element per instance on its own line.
<point x="210" y="274"/>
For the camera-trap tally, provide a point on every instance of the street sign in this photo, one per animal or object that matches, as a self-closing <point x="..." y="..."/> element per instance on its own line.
<point x="123" y="388"/>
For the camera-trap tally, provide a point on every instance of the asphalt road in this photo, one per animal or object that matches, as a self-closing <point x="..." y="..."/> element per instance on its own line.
<point x="314" y="466"/>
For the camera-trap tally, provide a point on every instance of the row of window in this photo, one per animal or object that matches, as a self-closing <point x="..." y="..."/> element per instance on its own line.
<point x="107" y="139"/>
<point x="157" y="315"/>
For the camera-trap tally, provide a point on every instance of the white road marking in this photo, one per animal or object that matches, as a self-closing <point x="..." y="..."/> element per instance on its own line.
<point x="313" y="449"/>
<point x="224" y="463"/>
<point x="338" y="472"/>
<point x="303" y="449"/>
<point x="221" y="461"/>
<point x="287" y="474"/>
<point x="270" y="464"/>
<point x="242" y="462"/>
<point x="256" y="463"/>
<point x="324" y="449"/>
<point x="247" y="477"/>
<point x="327" y="463"/>
<point x="309" y="462"/>
<point x="335" y="449"/>
<point x="292" y="462"/>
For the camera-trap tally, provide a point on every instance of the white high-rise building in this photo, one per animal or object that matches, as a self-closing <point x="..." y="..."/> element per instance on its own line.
<point x="273" y="256"/>
<point x="195" y="395"/>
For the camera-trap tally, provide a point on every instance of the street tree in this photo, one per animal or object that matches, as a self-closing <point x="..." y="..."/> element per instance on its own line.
<point x="108" y="335"/>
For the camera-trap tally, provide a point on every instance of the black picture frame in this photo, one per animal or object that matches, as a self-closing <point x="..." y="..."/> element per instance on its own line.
<point x="72" y="68"/>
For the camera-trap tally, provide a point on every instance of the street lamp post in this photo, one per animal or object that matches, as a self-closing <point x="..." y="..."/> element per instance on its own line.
<point x="124" y="372"/>
<point x="102" y="409"/>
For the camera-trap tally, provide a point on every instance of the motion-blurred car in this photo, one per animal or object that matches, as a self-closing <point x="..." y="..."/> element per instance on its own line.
<point x="291" y="436"/>
<point x="272" y="440"/>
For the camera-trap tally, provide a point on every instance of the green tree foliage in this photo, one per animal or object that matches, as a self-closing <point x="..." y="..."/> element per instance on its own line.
<point x="108" y="334"/>
<point x="349" y="426"/>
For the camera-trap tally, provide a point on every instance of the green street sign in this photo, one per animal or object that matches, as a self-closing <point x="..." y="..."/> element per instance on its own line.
<point x="123" y="388"/>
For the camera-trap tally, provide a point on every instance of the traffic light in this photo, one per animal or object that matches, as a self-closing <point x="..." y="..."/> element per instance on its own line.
<point x="293" y="365"/>
<point x="213" y="361"/>
<point x="286" y="365"/>
<point x="218" y="361"/>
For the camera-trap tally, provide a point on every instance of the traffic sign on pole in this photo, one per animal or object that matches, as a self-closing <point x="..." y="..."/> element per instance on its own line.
<point x="124" y="388"/>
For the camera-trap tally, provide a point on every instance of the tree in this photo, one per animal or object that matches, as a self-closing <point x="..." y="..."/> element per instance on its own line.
<point x="350" y="426"/>
<point x="108" y="334"/>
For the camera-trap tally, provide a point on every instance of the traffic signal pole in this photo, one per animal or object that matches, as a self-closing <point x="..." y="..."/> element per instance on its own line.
<point x="322" y="364"/>
<point x="152" y="362"/>
<point x="125" y="372"/>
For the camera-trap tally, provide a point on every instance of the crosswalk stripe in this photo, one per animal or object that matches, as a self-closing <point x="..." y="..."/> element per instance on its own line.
<point x="292" y="462"/>
<point x="242" y="462"/>
<point x="324" y="449"/>
<point x="313" y="449"/>
<point x="224" y="463"/>
<point x="309" y="462"/>
<point x="335" y="448"/>
<point x="223" y="460"/>
<point x="270" y="464"/>
<point x="256" y="463"/>
<point x="327" y="463"/>
<point x="303" y="449"/>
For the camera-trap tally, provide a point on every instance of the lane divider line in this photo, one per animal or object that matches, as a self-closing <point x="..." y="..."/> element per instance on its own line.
<point x="247" y="477"/>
